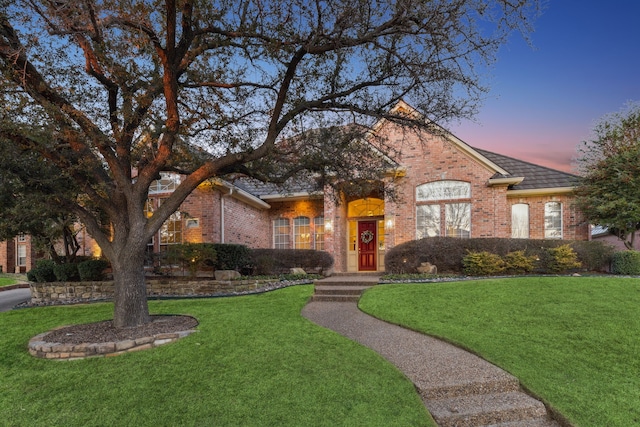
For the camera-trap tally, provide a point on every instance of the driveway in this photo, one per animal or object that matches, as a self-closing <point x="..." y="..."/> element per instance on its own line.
<point x="9" y="299"/>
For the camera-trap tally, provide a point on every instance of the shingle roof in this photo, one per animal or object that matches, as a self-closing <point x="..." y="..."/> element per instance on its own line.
<point x="262" y="189"/>
<point x="535" y="176"/>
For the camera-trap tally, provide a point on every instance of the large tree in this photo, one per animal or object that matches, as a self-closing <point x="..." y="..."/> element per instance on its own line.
<point x="609" y="194"/>
<point x="113" y="92"/>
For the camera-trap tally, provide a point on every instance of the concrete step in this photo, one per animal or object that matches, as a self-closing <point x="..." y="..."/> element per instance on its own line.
<point x="335" y="298"/>
<point x="535" y="422"/>
<point x="340" y="290"/>
<point x="499" y="385"/>
<point x="485" y="409"/>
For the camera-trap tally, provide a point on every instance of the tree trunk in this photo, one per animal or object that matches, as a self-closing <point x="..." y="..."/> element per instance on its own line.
<point x="130" y="298"/>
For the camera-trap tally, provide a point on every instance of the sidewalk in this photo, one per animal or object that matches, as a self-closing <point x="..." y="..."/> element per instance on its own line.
<point x="458" y="388"/>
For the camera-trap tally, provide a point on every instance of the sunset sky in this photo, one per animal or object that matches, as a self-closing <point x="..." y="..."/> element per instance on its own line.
<point x="545" y="99"/>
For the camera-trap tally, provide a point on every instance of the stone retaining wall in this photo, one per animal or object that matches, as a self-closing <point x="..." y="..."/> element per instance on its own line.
<point x="53" y="350"/>
<point x="60" y="292"/>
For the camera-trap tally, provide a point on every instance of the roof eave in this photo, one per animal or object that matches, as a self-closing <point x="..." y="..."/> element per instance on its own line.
<point x="237" y="193"/>
<point x="540" y="191"/>
<point x="512" y="180"/>
<point x="288" y="197"/>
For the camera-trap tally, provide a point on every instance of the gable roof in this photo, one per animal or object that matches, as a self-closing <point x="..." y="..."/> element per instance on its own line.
<point x="536" y="177"/>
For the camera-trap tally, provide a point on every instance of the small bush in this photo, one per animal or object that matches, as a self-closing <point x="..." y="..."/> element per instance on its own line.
<point x="92" y="270"/>
<point x="626" y="262"/>
<point x="562" y="259"/>
<point x="66" y="272"/>
<point x="518" y="262"/>
<point x="482" y="264"/>
<point x="42" y="272"/>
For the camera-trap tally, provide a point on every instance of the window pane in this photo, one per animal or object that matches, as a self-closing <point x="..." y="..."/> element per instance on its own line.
<point x="171" y="230"/>
<point x="428" y="221"/>
<point x="458" y="220"/>
<point x="520" y="221"/>
<point x="318" y="229"/>
<point x="301" y="233"/>
<point x="553" y="220"/>
<point x="365" y="207"/>
<point x="443" y="190"/>
<point x="167" y="183"/>
<point x="281" y="233"/>
<point x="22" y="255"/>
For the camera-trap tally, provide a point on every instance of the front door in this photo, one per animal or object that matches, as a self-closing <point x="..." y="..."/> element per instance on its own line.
<point x="367" y="245"/>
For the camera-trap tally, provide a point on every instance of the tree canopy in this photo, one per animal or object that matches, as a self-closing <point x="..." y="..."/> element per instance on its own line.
<point x="113" y="92"/>
<point x="609" y="194"/>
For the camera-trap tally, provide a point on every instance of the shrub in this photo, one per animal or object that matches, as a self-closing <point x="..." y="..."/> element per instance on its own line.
<point x="192" y="256"/>
<point x="231" y="256"/>
<point x="561" y="259"/>
<point x="482" y="264"/>
<point x="280" y="261"/>
<point x="91" y="270"/>
<point x="42" y="272"/>
<point x="447" y="252"/>
<point x="66" y="272"/>
<point x="518" y="262"/>
<point x="626" y="262"/>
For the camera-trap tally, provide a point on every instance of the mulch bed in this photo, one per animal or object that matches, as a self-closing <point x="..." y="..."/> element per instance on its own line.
<point x="102" y="332"/>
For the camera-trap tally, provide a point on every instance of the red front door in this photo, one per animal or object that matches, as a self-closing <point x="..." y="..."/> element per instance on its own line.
<point x="367" y="244"/>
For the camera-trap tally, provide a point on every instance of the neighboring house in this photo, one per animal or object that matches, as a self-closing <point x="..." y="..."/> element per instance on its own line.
<point x="442" y="187"/>
<point x="602" y="234"/>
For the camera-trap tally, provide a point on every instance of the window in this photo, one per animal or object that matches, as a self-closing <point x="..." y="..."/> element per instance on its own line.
<point x="458" y="220"/>
<point x="520" y="221"/>
<point x="301" y="233"/>
<point x="443" y="190"/>
<point x="22" y="237"/>
<point x="281" y="233"/>
<point x="457" y="216"/>
<point x="167" y="183"/>
<point x="22" y="255"/>
<point x="171" y="230"/>
<point x="428" y="221"/>
<point x="318" y="232"/>
<point x="553" y="220"/>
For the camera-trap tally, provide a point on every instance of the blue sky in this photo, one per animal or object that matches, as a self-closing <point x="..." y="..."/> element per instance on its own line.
<point x="545" y="99"/>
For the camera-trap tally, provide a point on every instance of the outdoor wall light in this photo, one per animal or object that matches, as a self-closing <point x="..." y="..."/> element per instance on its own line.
<point x="328" y="225"/>
<point x="389" y="224"/>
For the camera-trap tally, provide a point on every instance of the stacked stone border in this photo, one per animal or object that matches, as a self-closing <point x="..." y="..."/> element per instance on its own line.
<point x="58" y="351"/>
<point x="73" y="292"/>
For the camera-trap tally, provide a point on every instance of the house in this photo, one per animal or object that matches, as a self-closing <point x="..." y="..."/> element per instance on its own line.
<point x="442" y="187"/>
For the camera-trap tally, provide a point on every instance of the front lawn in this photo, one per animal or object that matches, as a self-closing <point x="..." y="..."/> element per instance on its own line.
<point x="574" y="341"/>
<point x="254" y="362"/>
<point x="7" y="281"/>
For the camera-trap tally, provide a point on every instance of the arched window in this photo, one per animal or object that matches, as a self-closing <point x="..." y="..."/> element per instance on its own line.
<point x="432" y="201"/>
<point x="520" y="221"/>
<point x="553" y="220"/>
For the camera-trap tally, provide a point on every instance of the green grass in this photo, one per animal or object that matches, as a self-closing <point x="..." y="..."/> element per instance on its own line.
<point x="7" y="281"/>
<point x="254" y="362"/>
<point x="575" y="342"/>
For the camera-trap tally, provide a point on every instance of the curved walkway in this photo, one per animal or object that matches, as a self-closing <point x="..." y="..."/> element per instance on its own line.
<point x="458" y="388"/>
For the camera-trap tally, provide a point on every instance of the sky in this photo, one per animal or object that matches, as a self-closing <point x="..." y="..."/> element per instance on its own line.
<point x="545" y="99"/>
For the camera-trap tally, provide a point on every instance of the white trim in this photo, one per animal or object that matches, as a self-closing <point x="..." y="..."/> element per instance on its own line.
<point x="505" y="181"/>
<point x="540" y="191"/>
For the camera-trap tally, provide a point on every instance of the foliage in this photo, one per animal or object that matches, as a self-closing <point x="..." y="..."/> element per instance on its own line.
<point x="42" y="272"/>
<point x="232" y="256"/>
<point x="111" y="94"/>
<point x="257" y="361"/>
<point x="560" y="259"/>
<point x="192" y="256"/>
<point x="92" y="270"/>
<point x="66" y="272"/>
<point x="447" y="253"/>
<point x="582" y="332"/>
<point x="626" y="262"/>
<point x="518" y="262"/>
<point x="609" y="194"/>
<point x="280" y="261"/>
<point x="482" y="264"/>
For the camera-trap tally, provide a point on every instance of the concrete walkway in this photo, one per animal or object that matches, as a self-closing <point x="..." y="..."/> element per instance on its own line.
<point x="458" y="388"/>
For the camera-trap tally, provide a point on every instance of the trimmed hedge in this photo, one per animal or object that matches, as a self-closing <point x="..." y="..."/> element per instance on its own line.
<point x="280" y="261"/>
<point x="42" y="272"/>
<point x="92" y="270"/>
<point x="447" y="253"/>
<point x="231" y="256"/>
<point x="626" y="262"/>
